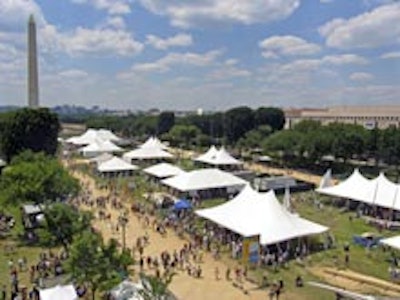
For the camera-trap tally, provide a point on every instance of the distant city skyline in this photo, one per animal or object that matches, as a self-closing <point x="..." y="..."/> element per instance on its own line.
<point x="214" y="54"/>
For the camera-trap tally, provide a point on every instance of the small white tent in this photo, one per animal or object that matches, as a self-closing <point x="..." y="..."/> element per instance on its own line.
<point x="203" y="179"/>
<point x="98" y="147"/>
<point x="252" y="213"/>
<point x="92" y="135"/>
<point x="153" y="142"/>
<point x="326" y="180"/>
<point x="147" y="153"/>
<point x="163" y="170"/>
<point x="393" y="242"/>
<point x="115" y="165"/>
<point x="209" y="155"/>
<point x="66" y="292"/>
<point x="101" y="158"/>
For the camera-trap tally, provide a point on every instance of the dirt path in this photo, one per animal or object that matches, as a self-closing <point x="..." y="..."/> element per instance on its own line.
<point x="183" y="285"/>
<point x="357" y="282"/>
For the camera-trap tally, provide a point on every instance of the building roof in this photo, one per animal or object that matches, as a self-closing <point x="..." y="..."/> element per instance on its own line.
<point x="163" y="170"/>
<point x="116" y="164"/>
<point x="148" y="153"/>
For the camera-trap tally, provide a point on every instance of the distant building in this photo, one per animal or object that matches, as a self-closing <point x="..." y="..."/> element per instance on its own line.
<point x="381" y="116"/>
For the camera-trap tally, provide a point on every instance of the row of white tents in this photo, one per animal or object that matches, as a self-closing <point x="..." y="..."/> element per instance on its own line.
<point x="379" y="191"/>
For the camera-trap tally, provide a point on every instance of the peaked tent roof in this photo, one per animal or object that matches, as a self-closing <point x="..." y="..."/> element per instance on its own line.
<point x="101" y="158"/>
<point x="116" y="164"/>
<point x="393" y="242"/>
<point x="355" y="187"/>
<point x="252" y="213"/>
<point x="203" y="179"/>
<point x="211" y="152"/>
<point x="153" y="142"/>
<point x="100" y="146"/>
<point x="66" y="292"/>
<point x="326" y="180"/>
<point x="222" y="157"/>
<point x="92" y="135"/>
<point x="148" y="153"/>
<point x="163" y="170"/>
<point x="386" y="193"/>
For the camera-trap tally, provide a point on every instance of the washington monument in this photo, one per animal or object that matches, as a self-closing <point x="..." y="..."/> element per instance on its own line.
<point x="33" y="85"/>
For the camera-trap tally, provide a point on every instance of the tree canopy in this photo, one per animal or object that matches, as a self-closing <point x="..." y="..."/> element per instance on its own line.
<point x="29" y="129"/>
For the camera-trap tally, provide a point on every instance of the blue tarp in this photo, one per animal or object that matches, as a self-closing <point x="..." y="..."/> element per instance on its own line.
<point x="182" y="204"/>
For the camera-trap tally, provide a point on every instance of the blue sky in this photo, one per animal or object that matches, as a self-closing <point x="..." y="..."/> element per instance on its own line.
<point x="210" y="54"/>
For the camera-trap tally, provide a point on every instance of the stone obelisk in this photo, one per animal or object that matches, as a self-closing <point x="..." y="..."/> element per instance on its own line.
<point x="33" y="81"/>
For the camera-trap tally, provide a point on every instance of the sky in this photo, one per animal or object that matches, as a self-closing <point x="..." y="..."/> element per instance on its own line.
<point x="208" y="54"/>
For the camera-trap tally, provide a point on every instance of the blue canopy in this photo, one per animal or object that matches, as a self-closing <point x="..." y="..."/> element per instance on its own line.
<point x="182" y="204"/>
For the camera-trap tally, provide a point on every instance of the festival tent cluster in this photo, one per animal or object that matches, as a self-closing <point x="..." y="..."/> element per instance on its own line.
<point x="252" y="213"/>
<point x="163" y="170"/>
<point x="203" y="179"/>
<point x="379" y="191"/>
<point x="217" y="157"/>
<point x="92" y="135"/>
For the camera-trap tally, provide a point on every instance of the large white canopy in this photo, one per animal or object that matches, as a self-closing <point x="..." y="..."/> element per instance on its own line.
<point x="217" y="157"/>
<point x="153" y="142"/>
<point x="393" y="242"/>
<point x="98" y="147"/>
<point x="203" y="179"/>
<point x="208" y="155"/>
<point x="147" y="153"/>
<point x="163" y="170"/>
<point x="379" y="191"/>
<point x="92" y="135"/>
<point x="66" y="292"/>
<point x="116" y="164"/>
<point x="252" y="213"/>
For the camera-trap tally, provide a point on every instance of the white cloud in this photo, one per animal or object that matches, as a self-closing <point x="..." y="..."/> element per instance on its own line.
<point x="229" y="71"/>
<point x="113" y="7"/>
<point x="165" y="63"/>
<point x="115" y="22"/>
<point x="390" y="55"/>
<point x="344" y="59"/>
<point x="73" y="73"/>
<point x="99" y="41"/>
<point x="14" y="14"/>
<point x="178" y="40"/>
<point x="183" y="13"/>
<point x="287" y="45"/>
<point x="376" y="28"/>
<point x="326" y="1"/>
<point x="361" y="76"/>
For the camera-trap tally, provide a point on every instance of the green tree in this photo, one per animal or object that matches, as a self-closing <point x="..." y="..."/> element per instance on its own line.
<point x="389" y="148"/>
<point x="165" y="121"/>
<point x="254" y="138"/>
<point x="183" y="134"/>
<point x="238" y="121"/>
<point x="155" y="288"/>
<point x="62" y="223"/>
<point x="271" y="116"/>
<point x="96" y="264"/>
<point x="35" y="177"/>
<point x="29" y="129"/>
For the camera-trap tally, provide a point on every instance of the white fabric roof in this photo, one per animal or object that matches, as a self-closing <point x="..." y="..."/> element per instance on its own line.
<point x="100" y="146"/>
<point x="356" y="187"/>
<point x="116" y="164"/>
<point x="163" y="170"/>
<point x="66" y="292"/>
<point x="153" y="142"/>
<point x="252" y="213"/>
<point x="393" y="242"/>
<point x="208" y="155"/>
<point x="147" y="153"/>
<point x="203" y="179"/>
<point x="101" y="158"/>
<point x="326" y="180"/>
<point x="218" y="157"/>
<point x="379" y="191"/>
<point x="92" y="135"/>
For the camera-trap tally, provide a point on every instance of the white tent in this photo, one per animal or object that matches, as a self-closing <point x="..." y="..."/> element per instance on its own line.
<point x="203" y="179"/>
<point x="386" y="193"/>
<point x="101" y="158"/>
<point x="66" y="292"/>
<point x="92" y="135"/>
<point x="153" y="142"/>
<point x="147" y="153"/>
<point x="326" y="180"/>
<point x="98" y="147"/>
<point x="2" y="163"/>
<point x="393" y="242"/>
<point x="356" y="187"/>
<point x="210" y="154"/>
<point x="115" y="164"/>
<point x="252" y="213"/>
<point x="163" y="170"/>
<point x="222" y="157"/>
<point x="287" y="203"/>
